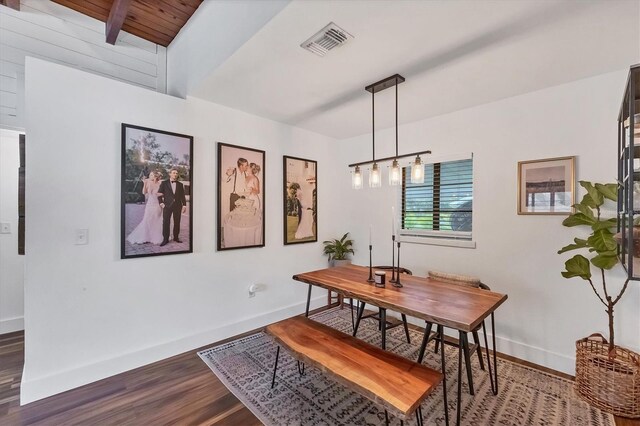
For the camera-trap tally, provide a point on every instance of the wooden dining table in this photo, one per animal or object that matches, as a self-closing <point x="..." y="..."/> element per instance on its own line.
<point x="454" y="306"/>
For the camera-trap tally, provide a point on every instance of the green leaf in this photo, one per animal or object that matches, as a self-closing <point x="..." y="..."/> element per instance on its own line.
<point x="578" y="245"/>
<point x="608" y="190"/>
<point x="578" y="219"/>
<point x="588" y="201"/>
<point x="577" y="266"/>
<point x="602" y="241"/>
<point x="605" y="260"/>
<point x="584" y="209"/>
<point x="596" y="196"/>
<point x="605" y="224"/>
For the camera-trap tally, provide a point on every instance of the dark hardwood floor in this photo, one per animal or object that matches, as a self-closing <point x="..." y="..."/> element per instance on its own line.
<point x="178" y="390"/>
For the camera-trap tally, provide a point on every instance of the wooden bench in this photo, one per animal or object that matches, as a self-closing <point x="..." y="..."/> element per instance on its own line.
<point x="385" y="378"/>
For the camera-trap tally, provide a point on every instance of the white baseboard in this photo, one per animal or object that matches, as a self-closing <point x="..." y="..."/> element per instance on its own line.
<point x="545" y="358"/>
<point x="9" y="325"/>
<point x="33" y="389"/>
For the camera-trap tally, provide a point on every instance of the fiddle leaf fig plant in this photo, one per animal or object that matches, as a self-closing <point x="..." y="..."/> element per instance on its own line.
<point x="600" y="245"/>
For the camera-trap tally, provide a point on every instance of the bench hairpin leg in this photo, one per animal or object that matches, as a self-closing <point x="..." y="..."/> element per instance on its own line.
<point x="301" y="370"/>
<point x="275" y="367"/>
<point x="419" y="420"/>
<point x="386" y="418"/>
<point x="444" y="384"/>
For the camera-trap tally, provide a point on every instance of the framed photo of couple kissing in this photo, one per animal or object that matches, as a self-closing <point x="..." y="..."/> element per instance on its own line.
<point x="300" y="200"/>
<point x="241" y="197"/>
<point x="156" y="192"/>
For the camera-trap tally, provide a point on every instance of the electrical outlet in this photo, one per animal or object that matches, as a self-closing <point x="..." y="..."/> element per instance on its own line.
<point x="5" y="228"/>
<point x="82" y="236"/>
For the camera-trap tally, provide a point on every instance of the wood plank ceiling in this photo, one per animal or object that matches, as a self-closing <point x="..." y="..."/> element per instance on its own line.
<point x="155" y="20"/>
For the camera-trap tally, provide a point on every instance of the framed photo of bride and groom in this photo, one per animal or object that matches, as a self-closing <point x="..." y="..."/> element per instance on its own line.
<point x="241" y="197"/>
<point x="300" y="200"/>
<point x="156" y="192"/>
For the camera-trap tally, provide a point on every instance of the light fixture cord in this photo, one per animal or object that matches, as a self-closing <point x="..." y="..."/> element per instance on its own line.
<point x="373" y="122"/>
<point x="396" y="117"/>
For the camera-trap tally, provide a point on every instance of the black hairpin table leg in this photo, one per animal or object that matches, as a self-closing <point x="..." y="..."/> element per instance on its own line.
<point x="275" y="368"/>
<point x="306" y="312"/>
<point x="486" y="345"/>
<point x="458" y="408"/>
<point x="361" y="306"/>
<point x="425" y="341"/>
<point x="383" y="330"/>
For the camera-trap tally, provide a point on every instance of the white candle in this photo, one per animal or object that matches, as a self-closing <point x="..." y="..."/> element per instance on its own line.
<point x="393" y="220"/>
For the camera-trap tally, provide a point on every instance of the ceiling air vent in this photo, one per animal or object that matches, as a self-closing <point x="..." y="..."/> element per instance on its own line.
<point x="323" y="41"/>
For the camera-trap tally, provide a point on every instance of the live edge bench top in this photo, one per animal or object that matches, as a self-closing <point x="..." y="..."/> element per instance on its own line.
<point x="384" y="377"/>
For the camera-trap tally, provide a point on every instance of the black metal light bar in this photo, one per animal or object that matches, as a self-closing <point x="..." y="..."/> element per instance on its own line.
<point x="413" y="154"/>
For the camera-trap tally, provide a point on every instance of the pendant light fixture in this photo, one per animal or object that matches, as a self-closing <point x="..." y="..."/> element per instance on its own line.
<point x="395" y="170"/>
<point x="395" y="174"/>
<point x="356" y="178"/>
<point x="417" y="171"/>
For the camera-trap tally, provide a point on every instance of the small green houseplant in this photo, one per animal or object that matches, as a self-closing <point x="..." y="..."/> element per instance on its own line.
<point x="338" y="249"/>
<point x="607" y="376"/>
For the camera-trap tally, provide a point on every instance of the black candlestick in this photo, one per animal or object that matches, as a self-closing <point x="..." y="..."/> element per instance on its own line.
<point x="393" y="259"/>
<point x="397" y="283"/>
<point x="370" y="280"/>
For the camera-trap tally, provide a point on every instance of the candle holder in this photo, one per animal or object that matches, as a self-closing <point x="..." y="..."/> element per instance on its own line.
<point x="393" y="259"/>
<point x="370" y="280"/>
<point x="397" y="283"/>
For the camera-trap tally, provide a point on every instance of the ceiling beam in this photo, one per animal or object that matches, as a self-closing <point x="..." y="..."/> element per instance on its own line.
<point x="13" y="4"/>
<point x="116" y="18"/>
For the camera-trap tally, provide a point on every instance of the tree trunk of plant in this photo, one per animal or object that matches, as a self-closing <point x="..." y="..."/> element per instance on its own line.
<point x="611" y="332"/>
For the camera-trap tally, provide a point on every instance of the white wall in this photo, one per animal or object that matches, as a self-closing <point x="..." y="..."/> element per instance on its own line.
<point x="88" y="314"/>
<point x="44" y="29"/>
<point x="11" y="264"/>
<point x="516" y="255"/>
<point x="214" y="32"/>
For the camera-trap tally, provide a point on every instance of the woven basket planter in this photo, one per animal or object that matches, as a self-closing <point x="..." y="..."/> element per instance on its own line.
<point x="610" y="384"/>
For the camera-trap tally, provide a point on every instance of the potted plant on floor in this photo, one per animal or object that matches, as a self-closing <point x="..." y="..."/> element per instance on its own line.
<point x="607" y="375"/>
<point x="339" y="250"/>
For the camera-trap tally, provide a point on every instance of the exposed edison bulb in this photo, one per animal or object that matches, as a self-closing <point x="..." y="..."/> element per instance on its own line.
<point x="356" y="178"/>
<point x="394" y="174"/>
<point x="375" y="180"/>
<point x="417" y="171"/>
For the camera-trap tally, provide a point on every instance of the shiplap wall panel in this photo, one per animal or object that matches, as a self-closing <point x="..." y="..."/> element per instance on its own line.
<point x="80" y="21"/>
<point x="52" y="32"/>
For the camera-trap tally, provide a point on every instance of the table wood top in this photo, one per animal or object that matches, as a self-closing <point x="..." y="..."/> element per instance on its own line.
<point x="384" y="377"/>
<point x="455" y="306"/>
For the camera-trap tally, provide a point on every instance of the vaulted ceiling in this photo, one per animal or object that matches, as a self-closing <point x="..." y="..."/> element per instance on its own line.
<point x="158" y="21"/>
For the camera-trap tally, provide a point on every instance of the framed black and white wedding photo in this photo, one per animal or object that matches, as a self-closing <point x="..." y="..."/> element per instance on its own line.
<point x="156" y="192"/>
<point x="241" y="197"/>
<point x="300" y="194"/>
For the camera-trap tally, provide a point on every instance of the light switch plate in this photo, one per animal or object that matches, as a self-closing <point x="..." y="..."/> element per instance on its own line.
<point x="82" y="236"/>
<point x="5" y="228"/>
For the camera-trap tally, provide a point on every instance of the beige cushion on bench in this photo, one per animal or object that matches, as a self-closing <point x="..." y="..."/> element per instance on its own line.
<point x="463" y="280"/>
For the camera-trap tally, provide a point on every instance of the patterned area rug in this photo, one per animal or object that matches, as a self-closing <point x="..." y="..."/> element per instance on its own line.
<point x="526" y="397"/>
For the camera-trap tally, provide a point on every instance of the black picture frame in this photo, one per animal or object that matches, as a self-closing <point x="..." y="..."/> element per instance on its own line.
<point x="298" y="228"/>
<point x="240" y="210"/>
<point x="146" y="151"/>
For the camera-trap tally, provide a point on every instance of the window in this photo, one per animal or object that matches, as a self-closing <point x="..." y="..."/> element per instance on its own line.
<point x="442" y="206"/>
